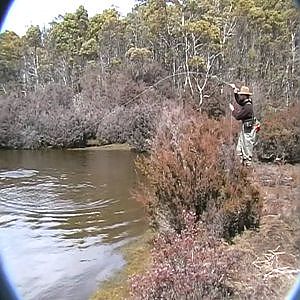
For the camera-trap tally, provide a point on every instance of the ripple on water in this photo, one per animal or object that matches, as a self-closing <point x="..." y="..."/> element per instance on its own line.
<point x="19" y="173"/>
<point x="70" y="210"/>
<point x="65" y="221"/>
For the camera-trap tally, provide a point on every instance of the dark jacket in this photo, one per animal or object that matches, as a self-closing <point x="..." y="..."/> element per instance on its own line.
<point x="244" y="111"/>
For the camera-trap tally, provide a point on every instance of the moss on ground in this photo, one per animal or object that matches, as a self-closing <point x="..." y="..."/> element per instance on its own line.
<point x="137" y="256"/>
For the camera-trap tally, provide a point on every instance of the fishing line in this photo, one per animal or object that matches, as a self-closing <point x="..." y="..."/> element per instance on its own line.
<point x="171" y="76"/>
<point x="181" y="74"/>
<point x="174" y="75"/>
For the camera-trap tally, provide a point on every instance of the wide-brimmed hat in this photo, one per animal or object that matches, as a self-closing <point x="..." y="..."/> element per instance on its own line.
<point x="244" y="91"/>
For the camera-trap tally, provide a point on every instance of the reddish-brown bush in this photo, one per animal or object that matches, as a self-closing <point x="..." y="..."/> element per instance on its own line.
<point x="190" y="265"/>
<point x="192" y="166"/>
<point x="280" y="135"/>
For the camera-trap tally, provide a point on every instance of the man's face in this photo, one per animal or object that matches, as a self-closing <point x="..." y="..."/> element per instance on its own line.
<point x="243" y="98"/>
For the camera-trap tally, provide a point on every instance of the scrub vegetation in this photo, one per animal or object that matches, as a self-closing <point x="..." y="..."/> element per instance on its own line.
<point x="108" y="77"/>
<point x="157" y="79"/>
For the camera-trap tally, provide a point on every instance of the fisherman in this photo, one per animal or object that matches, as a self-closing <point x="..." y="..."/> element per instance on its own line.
<point x="243" y="111"/>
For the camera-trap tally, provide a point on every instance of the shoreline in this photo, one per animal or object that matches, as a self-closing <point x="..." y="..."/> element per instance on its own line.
<point x="137" y="257"/>
<point x="108" y="147"/>
<point x="278" y="235"/>
<point x="93" y="147"/>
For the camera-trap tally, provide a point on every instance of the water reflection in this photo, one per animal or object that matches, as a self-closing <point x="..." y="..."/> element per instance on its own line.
<point x="63" y="214"/>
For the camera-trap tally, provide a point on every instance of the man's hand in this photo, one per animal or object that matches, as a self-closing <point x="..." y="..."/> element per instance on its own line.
<point x="231" y="107"/>
<point x="235" y="88"/>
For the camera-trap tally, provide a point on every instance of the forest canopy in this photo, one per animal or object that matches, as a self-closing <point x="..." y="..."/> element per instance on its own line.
<point x="251" y="41"/>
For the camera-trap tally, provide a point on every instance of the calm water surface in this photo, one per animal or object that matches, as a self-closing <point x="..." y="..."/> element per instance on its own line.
<point x="63" y="217"/>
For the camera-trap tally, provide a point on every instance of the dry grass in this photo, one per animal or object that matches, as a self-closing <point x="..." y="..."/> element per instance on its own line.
<point x="269" y="265"/>
<point x="271" y="257"/>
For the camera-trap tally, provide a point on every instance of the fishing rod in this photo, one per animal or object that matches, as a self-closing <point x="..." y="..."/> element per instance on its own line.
<point x="175" y="75"/>
<point x="171" y="76"/>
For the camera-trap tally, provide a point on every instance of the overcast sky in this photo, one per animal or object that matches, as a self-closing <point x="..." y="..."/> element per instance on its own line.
<point x="24" y="13"/>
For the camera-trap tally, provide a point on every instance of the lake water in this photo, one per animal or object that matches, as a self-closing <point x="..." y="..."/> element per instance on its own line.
<point x="63" y="217"/>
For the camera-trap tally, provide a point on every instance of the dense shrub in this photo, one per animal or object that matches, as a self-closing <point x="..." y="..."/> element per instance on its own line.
<point x="193" y="166"/>
<point x="110" y="107"/>
<point x="280" y="135"/>
<point x="47" y="117"/>
<point x="134" y="123"/>
<point x="190" y="265"/>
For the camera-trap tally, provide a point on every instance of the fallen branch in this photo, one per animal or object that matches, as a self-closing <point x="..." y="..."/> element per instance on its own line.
<point x="269" y="265"/>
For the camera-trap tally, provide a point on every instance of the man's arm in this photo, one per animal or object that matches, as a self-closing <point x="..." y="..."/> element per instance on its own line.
<point x="236" y="96"/>
<point x="245" y="112"/>
<point x="235" y="90"/>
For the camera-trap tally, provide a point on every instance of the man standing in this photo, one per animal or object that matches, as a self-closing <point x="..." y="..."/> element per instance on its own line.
<point x="244" y="112"/>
